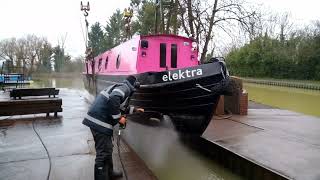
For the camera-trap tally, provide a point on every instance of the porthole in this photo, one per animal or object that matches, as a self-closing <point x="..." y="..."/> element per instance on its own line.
<point x="99" y="64"/>
<point x="118" y="62"/>
<point x="106" y="63"/>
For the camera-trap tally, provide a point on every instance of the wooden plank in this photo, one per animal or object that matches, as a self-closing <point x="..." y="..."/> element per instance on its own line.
<point x="33" y="111"/>
<point x="34" y="92"/>
<point x="21" y="92"/>
<point x="18" y="108"/>
<point x="220" y="107"/>
<point x="31" y="101"/>
<point x="4" y="105"/>
<point x="34" y="106"/>
<point x="14" y="106"/>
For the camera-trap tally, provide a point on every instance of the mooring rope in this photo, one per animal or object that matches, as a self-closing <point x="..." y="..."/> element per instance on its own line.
<point x="34" y="129"/>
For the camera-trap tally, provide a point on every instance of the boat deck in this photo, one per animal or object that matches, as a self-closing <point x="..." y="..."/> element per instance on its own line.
<point x="280" y="141"/>
<point x="69" y="143"/>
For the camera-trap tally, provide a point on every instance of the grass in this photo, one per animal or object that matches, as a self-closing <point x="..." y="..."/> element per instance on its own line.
<point x="284" y="80"/>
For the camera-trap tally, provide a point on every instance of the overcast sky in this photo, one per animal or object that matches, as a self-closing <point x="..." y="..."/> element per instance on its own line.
<point x="301" y="11"/>
<point x="55" y="19"/>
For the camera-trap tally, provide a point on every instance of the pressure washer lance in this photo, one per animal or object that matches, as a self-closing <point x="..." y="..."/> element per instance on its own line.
<point x="121" y="127"/>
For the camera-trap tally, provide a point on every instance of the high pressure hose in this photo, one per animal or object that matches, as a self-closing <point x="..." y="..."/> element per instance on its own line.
<point x="44" y="146"/>
<point x="118" y="144"/>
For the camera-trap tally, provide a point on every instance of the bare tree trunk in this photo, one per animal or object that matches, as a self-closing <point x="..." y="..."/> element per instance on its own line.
<point x="190" y="17"/>
<point x="175" y="19"/>
<point x="11" y="68"/>
<point x="167" y="30"/>
<point x="157" y="20"/>
<point x="181" y="11"/>
<point x="208" y="36"/>
<point x="23" y="66"/>
<point x="161" y="18"/>
<point x="32" y="64"/>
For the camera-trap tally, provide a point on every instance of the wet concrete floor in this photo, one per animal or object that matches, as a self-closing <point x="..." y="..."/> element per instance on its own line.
<point x="160" y="148"/>
<point x="69" y="144"/>
<point x="281" y="141"/>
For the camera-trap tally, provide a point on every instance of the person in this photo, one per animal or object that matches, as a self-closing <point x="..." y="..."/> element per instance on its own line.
<point x="105" y="112"/>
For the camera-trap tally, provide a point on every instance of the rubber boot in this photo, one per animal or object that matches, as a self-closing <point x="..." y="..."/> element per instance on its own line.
<point x="100" y="173"/>
<point x="114" y="174"/>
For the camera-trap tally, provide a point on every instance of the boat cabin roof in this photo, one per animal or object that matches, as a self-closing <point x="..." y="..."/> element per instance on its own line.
<point x="167" y="35"/>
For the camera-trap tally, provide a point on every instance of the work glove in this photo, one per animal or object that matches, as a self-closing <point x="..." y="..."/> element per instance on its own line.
<point x="123" y="122"/>
<point x="140" y="110"/>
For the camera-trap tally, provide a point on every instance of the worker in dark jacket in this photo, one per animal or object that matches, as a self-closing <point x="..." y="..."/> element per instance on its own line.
<point x="105" y="113"/>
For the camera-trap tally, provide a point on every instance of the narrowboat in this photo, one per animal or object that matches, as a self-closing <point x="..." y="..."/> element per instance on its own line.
<point x="173" y="82"/>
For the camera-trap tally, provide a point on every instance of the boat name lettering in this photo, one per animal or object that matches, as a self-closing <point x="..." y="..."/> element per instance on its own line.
<point x="181" y="74"/>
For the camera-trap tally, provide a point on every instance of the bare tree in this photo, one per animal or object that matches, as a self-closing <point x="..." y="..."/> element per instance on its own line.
<point x="7" y="51"/>
<point x="34" y="45"/>
<point x="21" y="52"/>
<point x="285" y="26"/>
<point x="24" y="53"/>
<point x="200" y="17"/>
<point x="273" y="24"/>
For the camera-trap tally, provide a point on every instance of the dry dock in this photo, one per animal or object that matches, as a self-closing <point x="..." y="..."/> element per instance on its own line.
<point x="69" y="144"/>
<point x="268" y="144"/>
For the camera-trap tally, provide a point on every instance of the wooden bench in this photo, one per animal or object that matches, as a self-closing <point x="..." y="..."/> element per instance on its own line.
<point x="31" y="106"/>
<point x="34" y="92"/>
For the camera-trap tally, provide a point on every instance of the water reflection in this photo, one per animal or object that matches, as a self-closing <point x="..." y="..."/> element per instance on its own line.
<point x="72" y="83"/>
<point x="54" y="83"/>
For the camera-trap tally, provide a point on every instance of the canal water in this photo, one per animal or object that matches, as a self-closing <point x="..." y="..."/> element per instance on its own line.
<point x="298" y="100"/>
<point x="161" y="148"/>
<point x="74" y="83"/>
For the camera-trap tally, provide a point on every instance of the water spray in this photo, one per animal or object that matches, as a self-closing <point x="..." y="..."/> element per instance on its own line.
<point x="121" y="127"/>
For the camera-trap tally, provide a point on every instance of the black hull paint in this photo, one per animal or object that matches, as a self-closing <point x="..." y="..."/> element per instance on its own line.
<point x="189" y="107"/>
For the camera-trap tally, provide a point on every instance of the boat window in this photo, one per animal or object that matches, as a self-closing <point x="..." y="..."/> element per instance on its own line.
<point x="163" y="54"/>
<point x="173" y="55"/>
<point x="93" y="66"/>
<point x="144" y="44"/>
<point x="87" y="68"/>
<point x="99" y="64"/>
<point x="118" y="62"/>
<point x="106" y="63"/>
